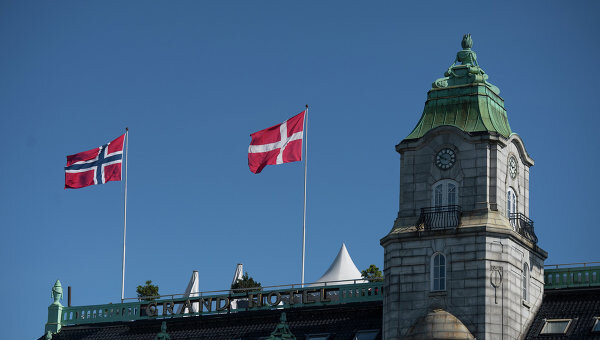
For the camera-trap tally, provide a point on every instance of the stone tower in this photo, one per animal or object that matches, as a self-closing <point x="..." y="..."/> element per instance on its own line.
<point x="462" y="259"/>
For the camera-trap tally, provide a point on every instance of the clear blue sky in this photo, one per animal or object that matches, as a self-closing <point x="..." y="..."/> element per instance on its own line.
<point x="193" y="79"/>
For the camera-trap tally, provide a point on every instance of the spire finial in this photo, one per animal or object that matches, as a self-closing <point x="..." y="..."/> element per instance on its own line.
<point x="466" y="42"/>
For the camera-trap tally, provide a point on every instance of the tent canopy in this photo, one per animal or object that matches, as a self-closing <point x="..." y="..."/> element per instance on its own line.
<point x="342" y="269"/>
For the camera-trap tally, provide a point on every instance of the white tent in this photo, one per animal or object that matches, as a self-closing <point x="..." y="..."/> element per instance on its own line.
<point x="192" y="290"/>
<point x="342" y="269"/>
<point x="239" y="270"/>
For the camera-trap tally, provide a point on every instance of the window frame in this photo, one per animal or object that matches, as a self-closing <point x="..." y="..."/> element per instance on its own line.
<point x="436" y="270"/>
<point x="525" y="282"/>
<point x="549" y="321"/>
<point x="596" y="326"/>
<point x="366" y="331"/>
<point x="512" y="208"/>
<point x="445" y="185"/>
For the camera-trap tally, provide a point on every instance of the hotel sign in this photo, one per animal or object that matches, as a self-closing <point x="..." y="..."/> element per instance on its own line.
<point x="250" y="301"/>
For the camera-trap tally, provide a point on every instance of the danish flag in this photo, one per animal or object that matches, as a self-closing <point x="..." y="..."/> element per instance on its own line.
<point x="96" y="166"/>
<point x="278" y="144"/>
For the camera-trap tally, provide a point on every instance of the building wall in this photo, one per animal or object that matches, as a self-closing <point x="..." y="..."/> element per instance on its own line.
<point x="470" y="296"/>
<point x="500" y="179"/>
<point x="481" y="170"/>
<point x="483" y="246"/>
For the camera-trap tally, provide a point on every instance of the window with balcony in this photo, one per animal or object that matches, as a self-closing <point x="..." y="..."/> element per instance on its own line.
<point x="445" y="192"/>
<point x="444" y="211"/>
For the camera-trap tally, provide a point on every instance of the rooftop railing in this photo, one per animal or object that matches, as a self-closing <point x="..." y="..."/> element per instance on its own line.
<point x="227" y="301"/>
<point x="523" y="225"/>
<point x="572" y="275"/>
<point x="437" y="218"/>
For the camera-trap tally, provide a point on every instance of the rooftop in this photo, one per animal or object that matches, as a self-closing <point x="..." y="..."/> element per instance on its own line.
<point x="464" y="99"/>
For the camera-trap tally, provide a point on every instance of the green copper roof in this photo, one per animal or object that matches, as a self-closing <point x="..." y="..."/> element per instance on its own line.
<point x="464" y="98"/>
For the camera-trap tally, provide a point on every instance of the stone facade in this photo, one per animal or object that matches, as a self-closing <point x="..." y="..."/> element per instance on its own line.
<point x="481" y="171"/>
<point x="493" y="268"/>
<point x="473" y="256"/>
<point x="485" y="254"/>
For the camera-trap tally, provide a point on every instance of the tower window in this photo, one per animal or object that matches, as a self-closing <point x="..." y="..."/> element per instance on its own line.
<point x="511" y="205"/>
<point x="438" y="272"/>
<point x="525" y="281"/>
<point x="445" y="192"/>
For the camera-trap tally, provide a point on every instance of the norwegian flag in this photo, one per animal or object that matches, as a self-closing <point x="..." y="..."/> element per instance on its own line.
<point x="278" y="144"/>
<point x="96" y="166"/>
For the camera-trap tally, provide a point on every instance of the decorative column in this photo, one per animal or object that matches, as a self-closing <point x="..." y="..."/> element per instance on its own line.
<point x="54" y="311"/>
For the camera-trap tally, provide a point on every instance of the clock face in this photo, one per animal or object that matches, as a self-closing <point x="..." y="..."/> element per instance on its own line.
<point x="445" y="159"/>
<point x="512" y="166"/>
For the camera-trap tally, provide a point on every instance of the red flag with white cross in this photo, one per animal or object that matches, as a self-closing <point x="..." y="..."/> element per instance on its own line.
<point x="278" y="144"/>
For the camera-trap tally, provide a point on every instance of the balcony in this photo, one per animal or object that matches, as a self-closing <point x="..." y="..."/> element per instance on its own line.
<point x="523" y="225"/>
<point x="438" y="218"/>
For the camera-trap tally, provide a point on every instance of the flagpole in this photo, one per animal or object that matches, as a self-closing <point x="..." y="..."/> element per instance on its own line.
<point x="305" y="169"/>
<point x="125" y="217"/>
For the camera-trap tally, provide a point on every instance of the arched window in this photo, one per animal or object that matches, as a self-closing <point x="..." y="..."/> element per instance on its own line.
<point x="438" y="272"/>
<point x="525" y="281"/>
<point x="445" y="192"/>
<point x="511" y="205"/>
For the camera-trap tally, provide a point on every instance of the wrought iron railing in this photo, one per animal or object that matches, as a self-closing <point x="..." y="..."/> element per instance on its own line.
<point x="444" y="217"/>
<point x="523" y="225"/>
<point x="225" y="302"/>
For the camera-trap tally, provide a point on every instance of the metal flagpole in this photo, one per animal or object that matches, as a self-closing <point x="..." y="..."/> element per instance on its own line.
<point x="305" y="167"/>
<point x="125" y="218"/>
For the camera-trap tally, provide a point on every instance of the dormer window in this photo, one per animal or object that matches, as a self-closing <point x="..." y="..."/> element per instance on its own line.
<point x="556" y="326"/>
<point x="596" y="327"/>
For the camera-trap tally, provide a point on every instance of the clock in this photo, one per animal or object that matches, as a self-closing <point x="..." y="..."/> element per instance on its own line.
<point x="512" y="167"/>
<point x="445" y="159"/>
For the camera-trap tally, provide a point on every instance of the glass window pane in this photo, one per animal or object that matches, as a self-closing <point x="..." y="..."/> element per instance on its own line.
<point x="438" y="272"/>
<point x="438" y="195"/>
<point x="451" y="194"/>
<point x="555" y="327"/>
<point x="596" y="327"/>
<point x="525" y="285"/>
<point x="366" y="335"/>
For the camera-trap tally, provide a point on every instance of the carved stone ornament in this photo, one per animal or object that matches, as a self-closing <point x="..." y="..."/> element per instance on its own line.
<point x="496" y="280"/>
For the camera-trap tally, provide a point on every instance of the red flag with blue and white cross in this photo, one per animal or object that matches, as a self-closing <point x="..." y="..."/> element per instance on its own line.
<point x="96" y="166"/>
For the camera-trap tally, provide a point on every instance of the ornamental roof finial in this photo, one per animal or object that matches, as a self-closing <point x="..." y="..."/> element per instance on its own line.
<point x="467" y="72"/>
<point x="57" y="292"/>
<point x="467" y="42"/>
